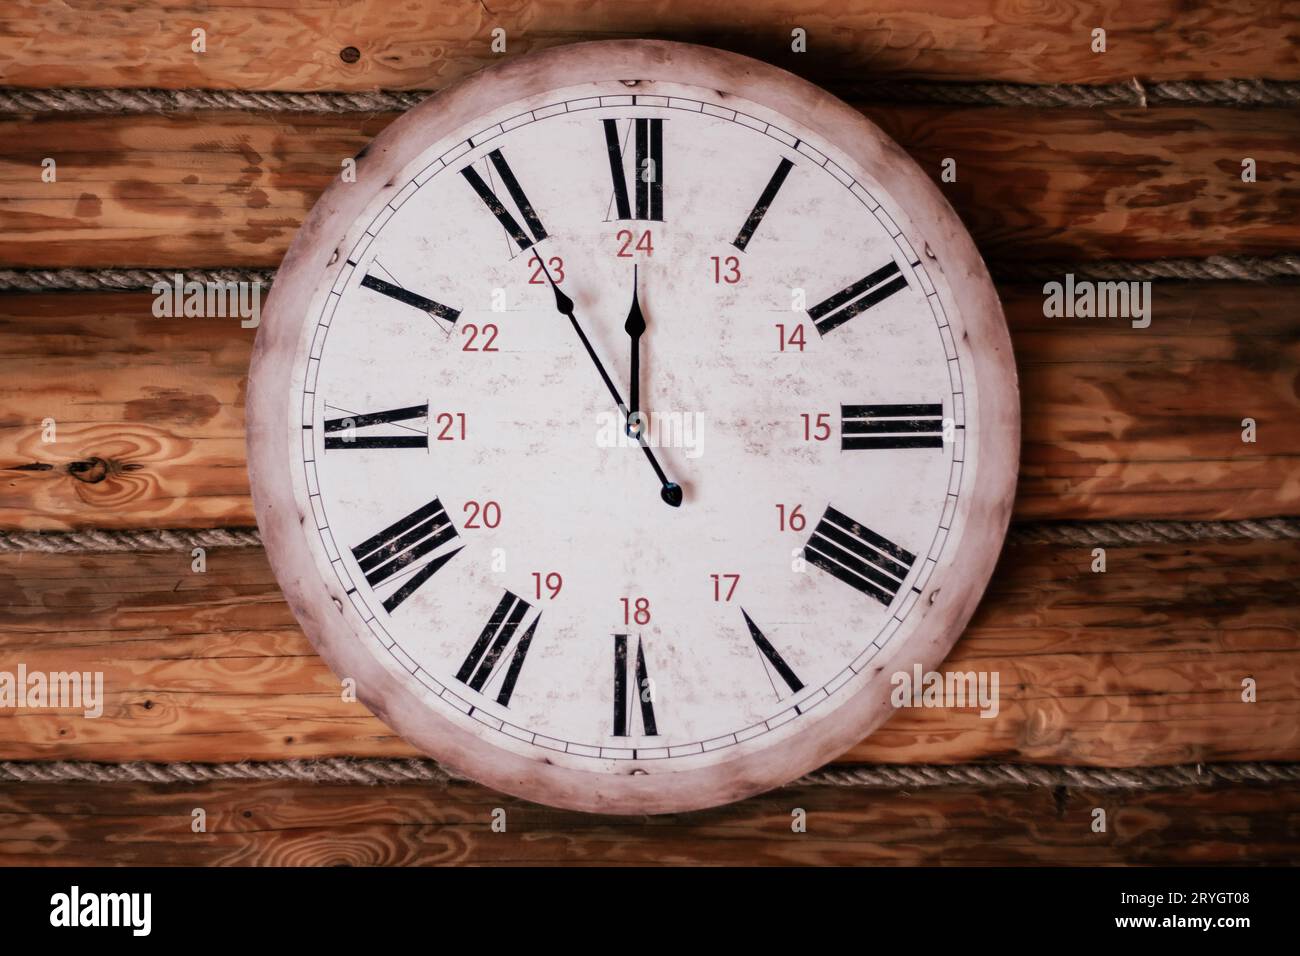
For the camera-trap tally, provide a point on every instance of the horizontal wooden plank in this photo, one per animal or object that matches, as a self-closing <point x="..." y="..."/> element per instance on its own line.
<point x="1140" y="665"/>
<point x="149" y="415"/>
<point x="277" y="824"/>
<point x="1118" y="422"/>
<point x="252" y="45"/>
<point x="230" y="189"/>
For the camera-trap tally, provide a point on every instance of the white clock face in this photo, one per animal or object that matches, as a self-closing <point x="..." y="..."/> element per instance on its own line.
<point x="518" y="560"/>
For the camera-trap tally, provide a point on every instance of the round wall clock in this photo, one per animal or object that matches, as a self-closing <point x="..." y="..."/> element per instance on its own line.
<point x="637" y="412"/>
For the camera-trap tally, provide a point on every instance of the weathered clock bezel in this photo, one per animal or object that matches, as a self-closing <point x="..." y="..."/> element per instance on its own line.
<point x="983" y="511"/>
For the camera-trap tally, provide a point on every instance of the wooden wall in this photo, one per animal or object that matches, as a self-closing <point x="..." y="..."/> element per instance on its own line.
<point x="1140" y="666"/>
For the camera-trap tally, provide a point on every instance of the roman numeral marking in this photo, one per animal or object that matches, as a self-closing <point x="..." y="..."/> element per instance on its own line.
<point x="492" y="644"/>
<point x="891" y="426"/>
<point x="764" y="203"/>
<point x="397" y="293"/>
<point x="648" y="171"/>
<point x="390" y="551"/>
<point x="641" y="690"/>
<point x="498" y="208"/>
<point x="878" y="286"/>
<point x="858" y="556"/>
<point x="773" y="656"/>
<point x="351" y="423"/>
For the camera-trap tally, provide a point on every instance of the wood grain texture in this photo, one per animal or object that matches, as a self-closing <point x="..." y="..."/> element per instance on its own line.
<point x="230" y="189"/>
<point x="1140" y="665"/>
<point x="426" y="45"/>
<point x="1118" y="422"/>
<point x="266" y="824"/>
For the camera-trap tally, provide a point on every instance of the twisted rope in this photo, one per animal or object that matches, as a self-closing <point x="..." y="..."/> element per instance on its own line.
<point x="332" y="770"/>
<point x="1249" y="92"/>
<point x="1212" y="268"/>
<point x="69" y="542"/>
<point x="1132" y="93"/>
<point x="1120" y="533"/>
<point x="1087" y="778"/>
<point x="118" y="280"/>
<point x="371" y="772"/>
<point x="1221" y="92"/>
<point x="1081" y="533"/>
<point x="184" y="101"/>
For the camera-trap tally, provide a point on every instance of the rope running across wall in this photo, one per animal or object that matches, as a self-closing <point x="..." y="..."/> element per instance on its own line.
<point x="1080" y="533"/>
<point x="370" y="772"/>
<point x="1209" y="269"/>
<point x="1134" y="93"/>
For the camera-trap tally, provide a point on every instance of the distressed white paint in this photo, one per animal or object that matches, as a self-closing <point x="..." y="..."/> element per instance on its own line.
<point x="593" y="513"/>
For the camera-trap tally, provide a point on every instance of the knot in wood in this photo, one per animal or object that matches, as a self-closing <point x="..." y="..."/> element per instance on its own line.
<point x="90" y="470"/>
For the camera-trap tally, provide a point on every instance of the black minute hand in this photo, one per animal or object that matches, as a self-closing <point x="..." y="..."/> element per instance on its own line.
<point x="669" y="491"/>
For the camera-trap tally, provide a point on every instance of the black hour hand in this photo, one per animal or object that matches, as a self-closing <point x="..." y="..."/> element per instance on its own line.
<point x="635" y="328"/>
